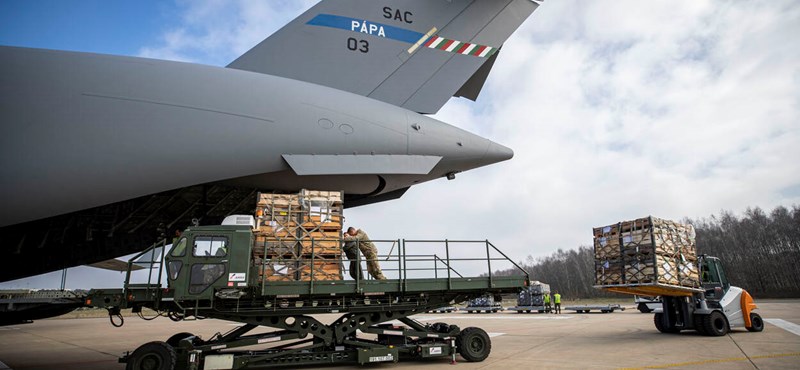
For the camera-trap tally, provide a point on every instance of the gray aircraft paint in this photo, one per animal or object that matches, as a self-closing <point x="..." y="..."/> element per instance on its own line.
<point x="114" y="128"/>
<point x="421" y="81"/>
<point x="83" y="134"/>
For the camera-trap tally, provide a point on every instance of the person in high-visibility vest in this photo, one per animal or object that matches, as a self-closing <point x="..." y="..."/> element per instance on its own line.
<point x="557" y="301"/>
<point x="547" y="302"/>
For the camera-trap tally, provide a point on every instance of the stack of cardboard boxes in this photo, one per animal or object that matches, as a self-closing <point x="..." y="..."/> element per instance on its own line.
<point x="299" y="235"/>
<point x="646" y="251"/>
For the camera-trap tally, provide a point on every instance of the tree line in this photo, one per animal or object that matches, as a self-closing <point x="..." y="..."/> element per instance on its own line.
<point x="760" y="253"/>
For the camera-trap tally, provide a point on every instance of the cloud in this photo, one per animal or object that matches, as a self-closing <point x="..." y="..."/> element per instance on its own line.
<point x="621" y="110"/>
<point x="615" y="110"/>
<point x="217" y="31"/>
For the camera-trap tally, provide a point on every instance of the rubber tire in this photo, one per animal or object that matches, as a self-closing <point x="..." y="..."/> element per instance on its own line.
<point x="657" y="319"/>
<point x="152" y="356"/>
<point x="699" y="326"/>
<point x="643" y="308"/>
<point x="468" y="311"/>
<point x="474" y="344"/>
<point x="715" y="324"/>
<point x="519" y="311"/>
<point x="541" y="311"/>
<point x="527" y="311"/>
<point x="757" y="323"/>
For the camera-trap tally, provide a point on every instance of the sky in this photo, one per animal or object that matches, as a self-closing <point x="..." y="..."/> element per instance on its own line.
<point x="615" y="110"/>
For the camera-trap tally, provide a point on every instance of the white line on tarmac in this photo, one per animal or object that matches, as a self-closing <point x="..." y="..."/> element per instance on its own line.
<point x="488" y="317"/>
<point x="4" y="366"/>
<point x="785" y="325"/>
<point x="492" y="335"/>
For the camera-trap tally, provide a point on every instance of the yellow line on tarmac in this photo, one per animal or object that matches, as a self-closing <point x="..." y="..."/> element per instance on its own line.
<point x="731" y="359"/>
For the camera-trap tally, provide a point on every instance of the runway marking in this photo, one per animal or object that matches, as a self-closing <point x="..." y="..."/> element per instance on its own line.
<point x="492" y="335"/>
<point x="8" y="328"/>
<point x="785" y="325"/>
<point x="481" y="317"/>
<point x="4" y="366"/>
<point x="722" y="360"/>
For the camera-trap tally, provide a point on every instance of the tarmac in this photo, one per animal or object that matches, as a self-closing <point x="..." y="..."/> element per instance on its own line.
<point x="615" y="340"/>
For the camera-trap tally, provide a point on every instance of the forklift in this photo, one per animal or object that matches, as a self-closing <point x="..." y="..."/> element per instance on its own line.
<point x="713" y="310"/>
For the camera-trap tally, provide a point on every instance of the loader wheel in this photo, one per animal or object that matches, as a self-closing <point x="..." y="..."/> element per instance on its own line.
<point x="473" y="344"/>
<point x="757" y="324"/>
<point x="715" y="324"/>
<point x="643" y="308"/>
<point x="658" y="320"/>
<point x="152" y="356"/>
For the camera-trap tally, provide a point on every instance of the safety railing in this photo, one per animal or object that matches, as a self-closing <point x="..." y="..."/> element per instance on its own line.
<point x="398" y="260"/>
<point x="154" y="262"/>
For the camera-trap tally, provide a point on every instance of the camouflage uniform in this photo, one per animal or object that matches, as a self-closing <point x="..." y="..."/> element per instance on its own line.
<point x="351" y="250"/>
<point x="370" y="252"/>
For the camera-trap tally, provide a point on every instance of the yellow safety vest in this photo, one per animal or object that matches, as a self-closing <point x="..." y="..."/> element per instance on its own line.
<point x="557" y="298"/>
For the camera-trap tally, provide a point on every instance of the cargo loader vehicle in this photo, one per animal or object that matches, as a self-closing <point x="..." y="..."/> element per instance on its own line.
<point x="211" y="272"/>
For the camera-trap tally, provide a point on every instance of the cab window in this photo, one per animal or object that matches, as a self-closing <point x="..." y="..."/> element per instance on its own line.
<point x="210" y="246"/>
<point x="179" y="249"/>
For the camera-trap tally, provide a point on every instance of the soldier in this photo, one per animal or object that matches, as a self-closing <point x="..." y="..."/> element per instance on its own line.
<point x="351" y="250"/>
<point x="368" y="249"/>
<point x="547" y="302"/>
<point x="557" y="301"/>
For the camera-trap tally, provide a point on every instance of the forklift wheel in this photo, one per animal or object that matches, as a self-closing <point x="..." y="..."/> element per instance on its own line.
<point x="152" y="356"/>
<point x="757" y="324"/>
<point x="643" y="308"/>
<point x="658" y="320"/>
<point x="699" y="326"/>
<point x="715" y="324"/>
<point x="473" y="344"/>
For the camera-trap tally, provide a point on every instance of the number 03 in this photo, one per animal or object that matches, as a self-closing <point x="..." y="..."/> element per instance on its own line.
<point x="360" y="45"/>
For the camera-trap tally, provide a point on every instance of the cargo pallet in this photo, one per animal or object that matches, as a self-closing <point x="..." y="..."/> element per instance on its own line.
<point x="602" y="308"/>
<point x="367" y="306"/>
<point x="529" y="309"/>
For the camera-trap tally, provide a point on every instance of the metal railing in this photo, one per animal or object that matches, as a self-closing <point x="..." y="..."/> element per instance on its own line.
<point x="150" y="288"/>
<point x="440" y="259"/>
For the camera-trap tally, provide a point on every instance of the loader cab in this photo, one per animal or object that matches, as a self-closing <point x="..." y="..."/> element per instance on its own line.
<point x="207" y="259"/>
<point x="713" y="278"/>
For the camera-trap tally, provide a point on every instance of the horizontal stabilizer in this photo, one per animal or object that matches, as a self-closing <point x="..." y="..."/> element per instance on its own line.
<point x="414" y="54"/>
<point x="114" y="265"/>
<point x="384" y="164"/>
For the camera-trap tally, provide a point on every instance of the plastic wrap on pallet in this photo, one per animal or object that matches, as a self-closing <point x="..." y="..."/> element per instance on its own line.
<point x="294" y="229"/>
<point x="648" y="251"/>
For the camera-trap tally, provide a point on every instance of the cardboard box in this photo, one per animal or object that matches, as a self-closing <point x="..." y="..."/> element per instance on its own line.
<point x="648" y="251"/>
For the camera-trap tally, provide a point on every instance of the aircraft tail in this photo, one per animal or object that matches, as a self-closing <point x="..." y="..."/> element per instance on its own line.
<point x="411" y="53"/>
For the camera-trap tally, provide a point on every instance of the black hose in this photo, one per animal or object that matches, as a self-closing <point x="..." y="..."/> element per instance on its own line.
<point x="121" y="319"/>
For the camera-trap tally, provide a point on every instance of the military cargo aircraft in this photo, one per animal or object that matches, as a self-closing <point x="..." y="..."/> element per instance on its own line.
<point x="102" y="154"/>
